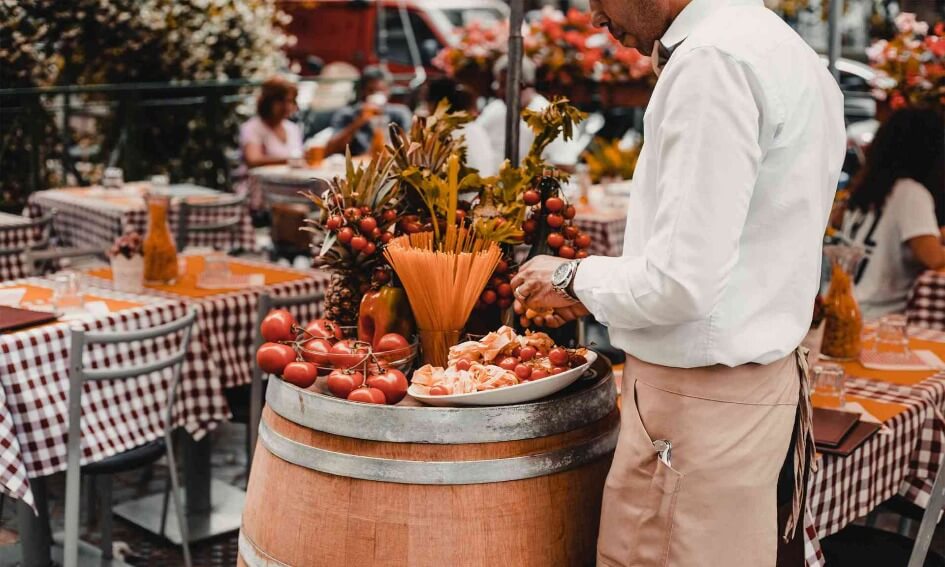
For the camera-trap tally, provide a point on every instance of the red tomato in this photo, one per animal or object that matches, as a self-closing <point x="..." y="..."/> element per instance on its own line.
<point x="324" y="329"/>
<point x="334" y="222"/>
<point x="386" y="237"/>
<point x="569" y="212"/>
<point x="345" y="235"/>
<point x="348" y="353"/>
<point x="353" y="213"/>
<point x="523" y="372"/>
<point x="527" y="353"/>
<point x="341" y="383"/>
<point x="566" y="252"/>
<point x="392" y="383"/>
<point x="539" y="374"/>
<point x="504" y="290"/>
<point x="530" y="226"/>
<point x="570" y="232"/>
<point x="531" y="197"/>
<point x="488" y="297"/>
<point x="582" y="240"/>
<point x="367" y="396"/>
<point x="555" y="220"/>
<point x="581" y="254"/>
<point x="555" y="240"/>
<point x="509" y="363"/>
<point x="391" y="342"/>
<point x="359" y="243"/>
<point x="389" y="215"/>
<point x="504" y="302"/>
<point x="462" y="364"/>
<point x="558" y="356"/>
<point x="558" y="370"/>
<point x="554" y="204"/>
<point x="369" y="249"/>
<point x="439" y="390"/>
<point x="367" y="225"/>
<point x="316" y="350"/>
<point x="501" y="267"/>
<point x="302" y="374"/>
<point x="277" y="326"/>
<point x="274" y="357"/>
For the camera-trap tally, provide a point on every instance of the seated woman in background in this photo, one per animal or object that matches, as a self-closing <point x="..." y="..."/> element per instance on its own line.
<point x="352" y="126"/>
<point x="891" y="212"/>
<point x="269" y="137"/>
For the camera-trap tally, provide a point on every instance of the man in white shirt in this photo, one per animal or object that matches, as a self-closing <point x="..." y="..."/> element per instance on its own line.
<point x="743" y="144"/>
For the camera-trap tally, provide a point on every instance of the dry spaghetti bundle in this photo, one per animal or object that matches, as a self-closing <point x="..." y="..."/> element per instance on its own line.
<point x="442" y="282"/>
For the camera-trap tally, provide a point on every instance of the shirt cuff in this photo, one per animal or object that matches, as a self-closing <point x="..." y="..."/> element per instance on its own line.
<point x="591" y="271"/>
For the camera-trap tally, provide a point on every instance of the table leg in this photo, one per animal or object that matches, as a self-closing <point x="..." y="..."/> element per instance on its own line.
<point x="197" y="478"/>
<point x="35" y="535"/>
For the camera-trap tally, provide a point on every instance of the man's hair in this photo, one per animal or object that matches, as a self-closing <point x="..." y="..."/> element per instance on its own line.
<point x="273" y="89"/>
<point x="528" y="69"/>
<point x="373" y="73"/>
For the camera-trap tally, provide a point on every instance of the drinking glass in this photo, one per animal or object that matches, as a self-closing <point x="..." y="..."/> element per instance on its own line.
<point x="67" y="291"/>
<point x="160" y="183"/>
<point x="892" y="338"/>
<point x="827" y="382"/>
<point x="113" y="178"/>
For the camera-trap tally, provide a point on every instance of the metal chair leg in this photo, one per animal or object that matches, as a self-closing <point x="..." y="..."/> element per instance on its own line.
<point x="70" y="554"/>
<point x="105" y="514"/>
<point x="178" y="502"/>
<point x="164" y="506"/>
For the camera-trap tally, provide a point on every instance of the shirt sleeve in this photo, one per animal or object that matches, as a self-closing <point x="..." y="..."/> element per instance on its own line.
<point x="250" y="133"/>
<point x="915" y="211"/>
<point x="341" y="118"/>
<point x="706" y="165"/>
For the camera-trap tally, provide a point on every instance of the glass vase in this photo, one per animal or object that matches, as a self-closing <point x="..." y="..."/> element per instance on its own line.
<point x="843" y="320"/>
<point x="160" y="253"/>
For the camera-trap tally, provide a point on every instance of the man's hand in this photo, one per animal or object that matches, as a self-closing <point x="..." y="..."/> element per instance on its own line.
<point x="532" y="287"/>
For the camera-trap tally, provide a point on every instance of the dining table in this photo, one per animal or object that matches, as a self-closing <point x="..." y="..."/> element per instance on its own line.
<point x="290" y="181"/>
<point x="902" y="459"/>
<point x="926" y="303"/>
<point x="116" y="417"/>
<point x="16" y="234"/>
<point x="93" y="217"/>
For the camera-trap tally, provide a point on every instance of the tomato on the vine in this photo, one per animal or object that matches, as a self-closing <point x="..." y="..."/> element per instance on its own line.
<point x="272" y="358"/>
<point x="278" y="325"/>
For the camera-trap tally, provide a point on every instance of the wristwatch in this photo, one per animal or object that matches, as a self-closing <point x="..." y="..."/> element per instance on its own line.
<point x="562" y="279"/>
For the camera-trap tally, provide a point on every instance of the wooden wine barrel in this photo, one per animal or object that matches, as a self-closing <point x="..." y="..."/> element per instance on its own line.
<point x="340" y="484"/>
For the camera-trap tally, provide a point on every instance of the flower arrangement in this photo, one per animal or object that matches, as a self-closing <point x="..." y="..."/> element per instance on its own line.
<point x="609" y="159"/>
<point x="565" y="47"/>
<point x="911" y="65"/>
<point x="127" y="245"/>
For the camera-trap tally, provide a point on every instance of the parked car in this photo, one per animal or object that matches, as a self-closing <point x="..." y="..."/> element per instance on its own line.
<point x="350" y="30"/>
<point x="855" y="79"/>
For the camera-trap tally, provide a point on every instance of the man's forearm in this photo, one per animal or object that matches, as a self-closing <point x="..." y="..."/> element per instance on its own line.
<point x="339" y="141"/>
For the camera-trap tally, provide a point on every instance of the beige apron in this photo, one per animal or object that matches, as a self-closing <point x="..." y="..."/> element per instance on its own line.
<point x="715" y="504"/>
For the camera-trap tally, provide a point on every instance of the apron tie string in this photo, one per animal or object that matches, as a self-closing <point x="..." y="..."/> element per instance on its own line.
<point x="803" y="446"/>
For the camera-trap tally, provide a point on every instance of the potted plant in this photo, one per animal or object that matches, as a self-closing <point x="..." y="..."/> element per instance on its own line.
<point x="127" y="259"/>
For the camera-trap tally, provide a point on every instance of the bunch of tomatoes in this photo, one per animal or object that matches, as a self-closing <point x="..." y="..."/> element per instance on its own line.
<point x="563" y="238"/>
<point x="357" y="371"/>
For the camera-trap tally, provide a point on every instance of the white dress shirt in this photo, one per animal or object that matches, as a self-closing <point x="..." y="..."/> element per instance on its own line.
<point x="743" y="144"/>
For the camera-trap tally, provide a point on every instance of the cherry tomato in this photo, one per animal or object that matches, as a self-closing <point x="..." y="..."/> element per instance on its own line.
<point x="558" y="356"/>
<point x="392" y="383"/>
<point x="527" y="353"/>
<point x="386" y="237"/>
<point x="391" y="342"/>
<point x="569" y="212"/>
<point x="272" y="358"/>
<point x="334" y="222"/>
<point x="570" y="232"/>
<point x="381" y="276"/>
<point x="581" y="254"/>
<point x="439" y="390"/>
<point x="341" y="383"/>
<point x="462" y="364"/>
<point x="539" y="374"/>
<point x="555" y="220"/>
<point x="460" y="216"/>
<point x="558" y="370"/>
<point x="353" y="213"/>
<point x="509" y="363"/>
<point x="504" y="302"/>
<point x="495" y="282"/>
<point x="504" y="290"/>
<point x="389" y="215"/>
<point x="582" y="240"/>
<point x="555" y="240"/>
<point x="502" y="267"/>
<point x="376" y="233"/>
<point x="278" y="325"/>
<point x="316" y="350"/>
<point x="369" y="249"/>
<point x="345" y="235"/>
<point x="367" y="224"/>
<point x="530" y="226"/>
<point x="554" y="204"/>
<point x="367" y="396"/>
<point x="523" y="372"/>
<point x="566" y="252"/>
<point x="301" y="374"/>
<point x="531" y="197"/>
<point x="365" y="210"/>
<point x="348" y="353"/>
<point x="324" y="329"/>
<point x="359" y="243"/>
<point x="488" y="297"/>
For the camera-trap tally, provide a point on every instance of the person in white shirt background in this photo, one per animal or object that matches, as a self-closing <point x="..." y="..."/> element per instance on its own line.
<point x="743" y="144"/>
<point x="270" y="137"/>
<point x="891" y="211"/>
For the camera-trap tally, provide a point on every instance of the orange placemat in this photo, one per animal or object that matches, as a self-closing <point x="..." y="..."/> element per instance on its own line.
<point x="39" y="294"/>
<point x="901" y="377"/>
<point x="187" y="284"/>
<point x="103" y="196"/>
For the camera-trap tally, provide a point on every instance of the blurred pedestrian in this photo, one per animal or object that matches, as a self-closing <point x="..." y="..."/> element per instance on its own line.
<point x="354" y="126"/>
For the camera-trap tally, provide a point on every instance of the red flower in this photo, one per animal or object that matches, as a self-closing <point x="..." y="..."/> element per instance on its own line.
<point x="575" y="38"/>
<point x="936" y="45"/>
<point x="897" y="101"/>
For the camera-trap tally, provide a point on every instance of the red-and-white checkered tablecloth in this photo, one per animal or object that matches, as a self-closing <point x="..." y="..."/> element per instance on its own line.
<point x="116" y="415"/>
<point x="926" y="306"/>
<point x="903" y="461"/>
<point x="93" y="217"/>
<point x="606" y="229"/>
<point x="15" y="234"/>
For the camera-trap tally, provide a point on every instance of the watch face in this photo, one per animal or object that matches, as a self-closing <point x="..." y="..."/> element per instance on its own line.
<point x="560" y="277"/>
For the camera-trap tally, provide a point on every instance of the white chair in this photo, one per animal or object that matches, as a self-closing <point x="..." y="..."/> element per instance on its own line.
<point x="137" y="457"/>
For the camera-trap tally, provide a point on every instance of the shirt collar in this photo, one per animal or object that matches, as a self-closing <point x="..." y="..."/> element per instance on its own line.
<point x="686" y="21"/>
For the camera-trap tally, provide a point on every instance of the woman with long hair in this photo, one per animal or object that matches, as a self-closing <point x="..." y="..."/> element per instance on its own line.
<point x="891" y="212"/>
